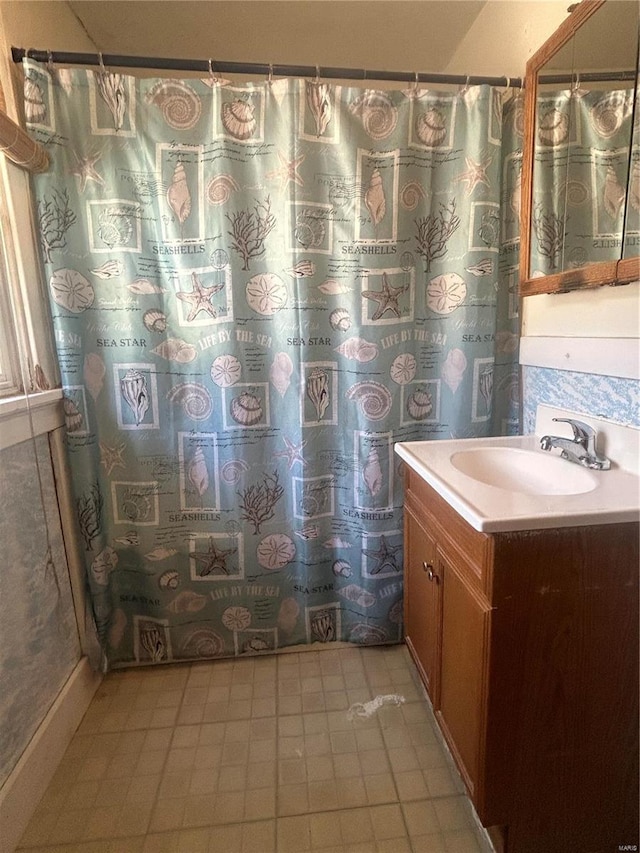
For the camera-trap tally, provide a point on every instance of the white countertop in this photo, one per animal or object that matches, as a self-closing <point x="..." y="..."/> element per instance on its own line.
<point x="614" y="498"/>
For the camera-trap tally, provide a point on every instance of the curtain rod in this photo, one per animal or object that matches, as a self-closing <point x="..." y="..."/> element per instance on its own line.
<point x="205" y="66"/>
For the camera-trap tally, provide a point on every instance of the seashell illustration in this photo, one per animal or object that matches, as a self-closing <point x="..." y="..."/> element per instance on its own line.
<point x="358" y="595"/>
<point x="613" y="195"/>
<point x="280" y="372"/>
<point x="202" y="643"/>
<point x="506" y="342"/>
<point x="144" y="286"/>
<point x="35" y="108"/>
<point x="336" y="542"/>
<point x="226" y="370"/>
<point x="197" y="472"/>
<point x="340" y="320"/>
<point x="220" y="187"/>
<point x="288" y="614"/>
<point x="178" y="102"/>
<point x="275" y="551"/>
<point x="608" y="114"/>
<point x="634" y="187"/>
<point x="302" y="269"/>
<point x="109" y="269"/>
<point x="155" y="320"/>
<point x="446" y="292"/>
<point x="396" y="612"/>
<point x="368" y="635"/>
<point x="178" y="195"/>
<point x="187" y="602"/>
<point x="133" y="388"/>
<point x="238" y="118"/>
<point x="246" y="409"/>
<point x="114" y="227"/>
<point x="374" y="198"/>
<point x="373" y="399"/>
<point x="372" y="472"/>
<point x="71" y="290"/>
<point x="72" y="415"/>
<point x="332" y="287"/>
<point x="117" y="627"/>
<point x="233" y="470"/>
<point x="431" y="127"/>
<point x="483" y="267"/>
<point x="40" y="381"/>
<point x="94" y="372"/>
<point x="553" y="127"/>
<point x="341" y="569"/>
<point x="112" y="90"/>
<point x="317" y="389"/>
<point x="419" y="404"/>
<point x="266" y="293"/>
<point x="64" y="77"/>
<point x="136" y="507"/>
<point x="169" y="580"/>
<point x="236" y="618"/>
<point x="453" y="368"/>
<point x="411" y="195"/>
<point x="485" y="383"/>
<point x="103" y="565"/>
<point x="175" y="349"/>
<point x="132" y="537"/>
<point x="160" y="553"/>
<point x="403" y="368"/>
<point x="323" y="625"/>
<point x="319" y="103"/>
<point x="378" y="113"/>
<point x="195" y="399"/>
<point x="577" y="193"/>
<point x="358" y="349"/>
<point x="309" y="230"/>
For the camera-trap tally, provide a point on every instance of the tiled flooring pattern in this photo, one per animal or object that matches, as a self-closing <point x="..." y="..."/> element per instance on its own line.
<point x="258" y="755"/>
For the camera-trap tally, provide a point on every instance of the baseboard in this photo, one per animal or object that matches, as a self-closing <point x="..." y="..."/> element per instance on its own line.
<point x="28" y="781"/>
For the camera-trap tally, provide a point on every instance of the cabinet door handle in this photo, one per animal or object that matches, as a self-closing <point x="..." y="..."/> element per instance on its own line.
<point x="427" y="567"/>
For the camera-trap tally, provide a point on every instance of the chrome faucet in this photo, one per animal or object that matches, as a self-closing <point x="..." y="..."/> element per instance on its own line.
<point x="580" y="449"/>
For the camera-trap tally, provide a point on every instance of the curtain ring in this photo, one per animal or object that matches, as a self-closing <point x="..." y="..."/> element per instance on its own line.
<point x="102" y="68"/>
<point x="270" y="77"/>
<point x="465" y="88"/>
<point x="317" y="74"/>
<point x="50" y="62"/>
<point x="575" y="87"/>
<point x="416" y="84"/>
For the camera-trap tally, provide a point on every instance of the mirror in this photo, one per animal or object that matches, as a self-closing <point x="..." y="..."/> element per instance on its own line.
<point x="580" y="216"/>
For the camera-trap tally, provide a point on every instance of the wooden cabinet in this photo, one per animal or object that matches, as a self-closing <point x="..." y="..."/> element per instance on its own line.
<point x="527" y="644"/>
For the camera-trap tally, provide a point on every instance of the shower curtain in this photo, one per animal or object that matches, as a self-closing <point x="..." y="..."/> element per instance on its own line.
<point x="256" y="290"/>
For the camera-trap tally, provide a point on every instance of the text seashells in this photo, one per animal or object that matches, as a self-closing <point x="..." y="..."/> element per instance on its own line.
<point x="275" y="551"/>
<point x="378" y="113"/>
<point x="194" y="398"/>
<point x="178" y="102"/>
<point x="71" y="290"/>
<point x="174" y="349"/>
<point x="226" y="370"/>
<point x="280" y="372"/>
<point x="219" y="189"/>
<point x="403" y="368"/>
<point x="431" y="127"/>
<point x="553" y="128"/>
<point x="246" y="409"/>
<point x="446" y="292"/>
<point x="155" y="320"/>
<point x="373" y="399"/>
<point x="266" y="293"/>
<point x="238" y="119"/>
<point x="358" y="349"/>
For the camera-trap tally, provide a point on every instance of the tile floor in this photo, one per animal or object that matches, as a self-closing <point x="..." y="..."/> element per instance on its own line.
<point x="258" y="755"/>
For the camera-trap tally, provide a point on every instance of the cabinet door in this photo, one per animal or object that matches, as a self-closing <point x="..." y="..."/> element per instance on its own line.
<point x="460" y="711"/>
<point x="421" y="601"/>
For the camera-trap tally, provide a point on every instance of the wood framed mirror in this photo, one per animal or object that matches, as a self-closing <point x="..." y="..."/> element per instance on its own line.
<point x="580" y="202"/>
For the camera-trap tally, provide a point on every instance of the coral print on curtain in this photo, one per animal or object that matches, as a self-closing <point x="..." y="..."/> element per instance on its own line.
<point x="256" y="290"/>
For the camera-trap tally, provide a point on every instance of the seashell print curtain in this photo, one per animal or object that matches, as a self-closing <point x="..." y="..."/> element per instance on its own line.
<point x="256" y="290"/>
<point x="581" y="174"/>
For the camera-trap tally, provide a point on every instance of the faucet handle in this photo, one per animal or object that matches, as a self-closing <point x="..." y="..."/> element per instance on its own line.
<point x="581" y="432"/>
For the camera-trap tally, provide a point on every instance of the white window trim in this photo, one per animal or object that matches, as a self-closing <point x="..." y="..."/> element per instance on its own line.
<point x="28" y="415"/>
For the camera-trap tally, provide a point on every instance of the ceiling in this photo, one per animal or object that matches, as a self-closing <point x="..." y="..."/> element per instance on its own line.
<point x="419" y="35"/>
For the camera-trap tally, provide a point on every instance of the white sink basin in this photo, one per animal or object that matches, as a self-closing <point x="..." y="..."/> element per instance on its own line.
<point x="525" y="471"/>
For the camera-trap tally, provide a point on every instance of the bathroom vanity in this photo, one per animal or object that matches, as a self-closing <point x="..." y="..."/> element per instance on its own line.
<point x="521" y="614"/>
